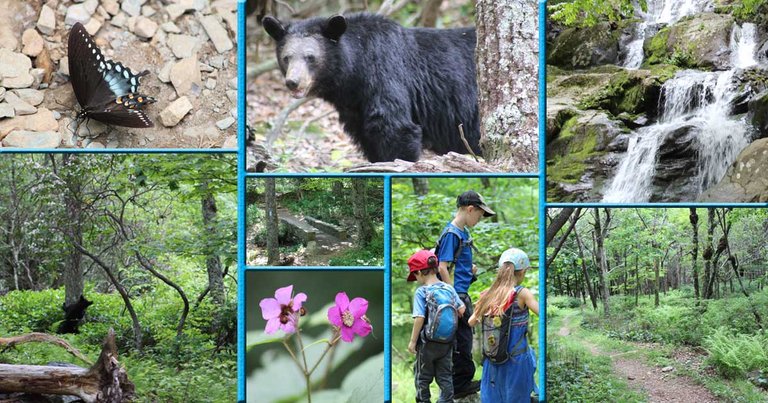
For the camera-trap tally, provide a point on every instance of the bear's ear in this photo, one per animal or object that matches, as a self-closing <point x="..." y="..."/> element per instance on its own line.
<point x="273" y="27"/>
<point x="335" y="27"/>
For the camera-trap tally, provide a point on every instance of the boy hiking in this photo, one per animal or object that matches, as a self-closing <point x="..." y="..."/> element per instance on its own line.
<point x="436" y="312"/>
<point x="454" y="251"/>
<point x="502" y="310"/>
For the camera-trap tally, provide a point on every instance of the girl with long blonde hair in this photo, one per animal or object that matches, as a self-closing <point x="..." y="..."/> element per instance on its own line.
<point x="510" y="380"/>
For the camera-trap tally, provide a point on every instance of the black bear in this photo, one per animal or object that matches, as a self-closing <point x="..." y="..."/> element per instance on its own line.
<point x="397" y="90"/>
<point x="73" y="314"/>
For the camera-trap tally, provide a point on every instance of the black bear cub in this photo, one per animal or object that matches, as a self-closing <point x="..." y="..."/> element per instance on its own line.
<point x="397" y="90"/>
<point x="73" y="314"/>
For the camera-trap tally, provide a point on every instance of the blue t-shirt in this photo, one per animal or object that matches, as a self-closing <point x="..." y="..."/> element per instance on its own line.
<point x="463" y="265"/>
<point x="420" y="298"/>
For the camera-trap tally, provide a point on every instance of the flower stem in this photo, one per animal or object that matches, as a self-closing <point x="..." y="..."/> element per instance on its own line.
<point x="290" y="351"/>
<point x="331" y="344"/>
<point x="307" y="373"/>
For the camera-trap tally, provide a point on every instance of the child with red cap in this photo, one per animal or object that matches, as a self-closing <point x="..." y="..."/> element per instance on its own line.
<point x="436" y="311"/>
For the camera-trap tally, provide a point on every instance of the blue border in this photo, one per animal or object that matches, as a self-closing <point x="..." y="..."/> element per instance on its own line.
<point x="392" y="175"/>
<point x="241" y="155"/>
<point x="387" y="289"/>
<point x="542" y="201"/>
<point x="10" y="150"/>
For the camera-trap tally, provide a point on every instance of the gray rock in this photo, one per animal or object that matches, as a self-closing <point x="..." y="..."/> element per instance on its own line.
<point x="37" y="78"/>
<point x="217" y="33"/>
<point x="77" y="13"/>
<point x="91" y="129"/>
<point x="2" y="93"/>
<point x="165" y="73"/>
<point x="185" y="77"/>
<point x="19" y="105"/>
<point x="93" y="26"/>
<point x="64" y="66"/>
<point x="225" y="123"/>
<point x="91" y="5"/>
<point x="94" y="144"/>
<point x="6" y="110"/>
<point x="14" y="66"/>
<point x="206" y="68"/>
<point x="30" y="96"/>
<point x="132" y="7"/>
<point x="745" y="180"/>
<point x="111" y="6"/>
<point x="30" y="139"/>
<point x="170" y="27"/>
<point x="232" y="96"/>
<point x="46" y="23"/>
<point x="176" y="10"/>
<point x="175" y="111"/>
<point x="210" y="84"/>
<point x="33" y="43"/>
<point x="230" y="142"/>
<point x="120" y="20"/>
<point x="148" y="11"/>
<point x="182" y="46"/>
<point x="145" y="28"/>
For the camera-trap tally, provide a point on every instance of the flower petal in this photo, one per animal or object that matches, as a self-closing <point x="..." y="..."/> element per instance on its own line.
<point x="283" y="295"/>
<point x="270" y="308"/>
<point x="290" y="326"/>
<point x="358" y="307"/>
<point x="272" y="325"/>
<point x="298" y="300"/>
<point x="342" y="301"/>
<point x="347" y="334"/>
<point x="334" y="316"/>
<point x="361" y="328"/>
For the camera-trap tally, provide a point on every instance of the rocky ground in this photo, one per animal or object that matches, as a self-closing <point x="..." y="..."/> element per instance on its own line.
<point x="188" y="46"/>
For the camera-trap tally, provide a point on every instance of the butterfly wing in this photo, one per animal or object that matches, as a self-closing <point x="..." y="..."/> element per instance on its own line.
<point x="95" y="79"/>
<point x="121" y="115"/>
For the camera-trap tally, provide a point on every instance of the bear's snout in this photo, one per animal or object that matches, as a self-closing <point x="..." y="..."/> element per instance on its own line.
<point x="291" y="84"/>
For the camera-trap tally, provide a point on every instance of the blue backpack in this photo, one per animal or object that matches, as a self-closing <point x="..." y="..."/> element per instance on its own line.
<point x="442" y="315"/>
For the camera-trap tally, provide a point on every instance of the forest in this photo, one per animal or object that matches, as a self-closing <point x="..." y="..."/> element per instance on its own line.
<point x="282" y="128"/>
<point x="421" y="207"/>
<point x="306" y="221"/>
<point x="649" y="304"/>
<point x="133" y="252"/>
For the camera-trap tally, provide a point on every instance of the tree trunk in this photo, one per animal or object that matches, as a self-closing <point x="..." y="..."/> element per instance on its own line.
<point x="429" y="13"/>
<point x="212" y="260"/>
<point x="560" y="219"/>
<point x="601" y="232"/>
<point x="273" y="251"/>
<point x="365" y="232"/>
<point x="694" y="219"/>
<point x="708" y="252"/>
<point x="420" y="186"/>
<point x="73" y="270"/>
<point x="560" y="242"/>
<point x="584" y="272"/>
<point x="656" y="282"/>
<point x="508" y="45"/>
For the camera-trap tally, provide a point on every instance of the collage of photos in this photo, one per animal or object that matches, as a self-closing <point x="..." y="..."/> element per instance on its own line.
<point x="354" y="201"/>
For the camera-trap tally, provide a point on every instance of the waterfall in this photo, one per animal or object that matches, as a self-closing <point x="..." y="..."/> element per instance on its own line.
<point x="695" y="101"/>
<point x="659" y="12"/>
<point x="743" y="44"/>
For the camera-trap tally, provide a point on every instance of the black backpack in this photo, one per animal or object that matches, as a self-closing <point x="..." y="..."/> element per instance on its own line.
<point x="495" y="335"/>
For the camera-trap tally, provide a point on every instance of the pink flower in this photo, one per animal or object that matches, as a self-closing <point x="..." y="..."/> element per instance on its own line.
<point x="349" y="316"/>
<point x="280" y="312"/>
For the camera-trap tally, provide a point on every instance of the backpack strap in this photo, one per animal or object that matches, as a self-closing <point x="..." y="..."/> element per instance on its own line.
<point x="462" y="243"/>
<point x="516" y="348"/>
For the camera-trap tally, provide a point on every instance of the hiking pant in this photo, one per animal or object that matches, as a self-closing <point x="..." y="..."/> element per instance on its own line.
<point x="433" y="361"/>
<point x="463" y="366"/>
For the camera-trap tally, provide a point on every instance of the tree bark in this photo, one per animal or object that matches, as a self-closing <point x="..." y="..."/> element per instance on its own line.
<point x="273" y="251"/>
<point x="429" y="13"/>
<point x="708" y="254"/>
<point x="365" y="232"/>
<point x="694" y="219"/>
<point x="560" y="219"/>
<point x="584" y="272"/>
<point x="561" y="240"/>
<point x="72" y="272"/>
<point x="212" y="260"/>
<point x="508" y="45"/>
<point x="601" y="232"/>
<point x="420" y="186"/>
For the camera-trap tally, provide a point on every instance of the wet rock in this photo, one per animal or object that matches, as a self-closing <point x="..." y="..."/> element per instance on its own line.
<point x="19" y="105"/>
<point x="680" y="143"/>
<point x="225" y="123"/>
<point x="217" y="33"/>
<point x="172" y="115"/>
<point x="145" y="28"/>
<point x="14" y="69"/>
<point x="758" y="113"/>
<point x="182" y="46"/>
<point x="46" y="23"/>
<point x="675" y="176"/>
<point x="31" y="139"/>
<point x="39" y="122"/>
<point x="185" y="76"/>
<point x="700" y="41"/>
<point x="33" y="43"/>
<point x="577" y="48"/>
<point x="619" y="144"/>
<point x="6" y="110"/>
<point x="746" y="180"/>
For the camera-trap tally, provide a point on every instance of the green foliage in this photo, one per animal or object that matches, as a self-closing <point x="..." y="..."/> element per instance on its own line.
<point x="750" y="10"/>
<point x="23" y="311"/>
<point x="369" y="255"/>
<point x="733" y="355"/>
<point x="587" y="13"/>
<point x="561" y="301"/>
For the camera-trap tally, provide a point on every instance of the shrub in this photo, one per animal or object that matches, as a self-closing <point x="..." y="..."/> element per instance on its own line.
<point x="733" y="355"/>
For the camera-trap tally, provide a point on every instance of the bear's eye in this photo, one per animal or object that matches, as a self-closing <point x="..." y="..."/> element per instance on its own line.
<point x="311" y="58"/>
<point x="285" y="59"/>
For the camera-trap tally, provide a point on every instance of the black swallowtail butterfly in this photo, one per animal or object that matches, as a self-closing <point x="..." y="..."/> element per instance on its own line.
<point x="107" y="91"/>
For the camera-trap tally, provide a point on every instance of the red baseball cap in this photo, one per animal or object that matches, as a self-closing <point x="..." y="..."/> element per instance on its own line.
<point x="419" y="261"/>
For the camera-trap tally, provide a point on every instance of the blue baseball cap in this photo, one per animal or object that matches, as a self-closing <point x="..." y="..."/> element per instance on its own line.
<point x="516" y="257"/>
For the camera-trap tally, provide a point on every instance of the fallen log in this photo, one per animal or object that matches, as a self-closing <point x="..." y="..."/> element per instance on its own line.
<point x="448" y="163"/>
<point x="106" y="381"/>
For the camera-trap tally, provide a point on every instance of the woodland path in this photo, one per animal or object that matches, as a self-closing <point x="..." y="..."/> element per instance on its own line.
<point x="656" y="384"/>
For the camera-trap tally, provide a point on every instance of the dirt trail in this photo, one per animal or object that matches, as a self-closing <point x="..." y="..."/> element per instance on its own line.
<point x="658" y="384"/>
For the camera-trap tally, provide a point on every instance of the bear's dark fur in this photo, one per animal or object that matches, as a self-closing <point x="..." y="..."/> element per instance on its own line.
<point x="73" y="314"/>
<point x="397" y="90"/>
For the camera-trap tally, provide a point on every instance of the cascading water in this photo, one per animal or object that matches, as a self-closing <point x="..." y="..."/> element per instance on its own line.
<point x="696" y="104"/>
<point x="659" y="12"/>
